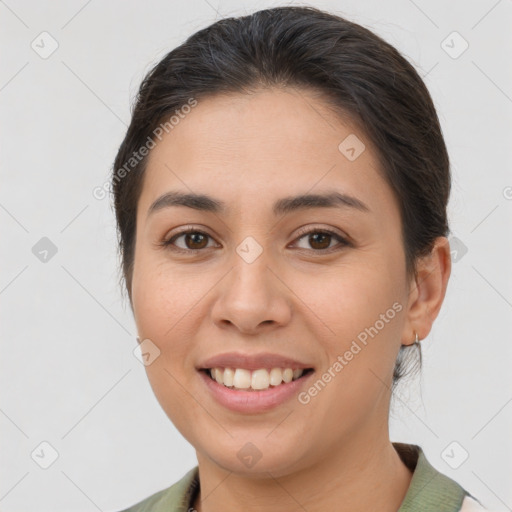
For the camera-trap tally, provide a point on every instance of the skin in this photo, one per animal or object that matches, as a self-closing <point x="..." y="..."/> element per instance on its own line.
<point x="333" y="453"/>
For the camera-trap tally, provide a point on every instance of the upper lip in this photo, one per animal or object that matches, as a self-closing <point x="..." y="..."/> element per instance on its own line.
<point x="251" y="361"/>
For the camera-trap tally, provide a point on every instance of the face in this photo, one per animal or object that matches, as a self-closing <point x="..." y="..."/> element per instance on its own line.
<point x="322" y="284"/>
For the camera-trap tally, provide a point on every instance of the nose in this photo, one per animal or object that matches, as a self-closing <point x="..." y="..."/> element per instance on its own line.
<point x="252" y="297"/>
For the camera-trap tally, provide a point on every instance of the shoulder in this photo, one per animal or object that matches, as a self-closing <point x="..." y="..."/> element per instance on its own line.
<point x="176" y="498"/>
<point x="150" y="504"/>
<point x="431" y="489"/>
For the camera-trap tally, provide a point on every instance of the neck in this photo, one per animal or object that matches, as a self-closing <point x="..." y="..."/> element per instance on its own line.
<point x="360" y="476"/>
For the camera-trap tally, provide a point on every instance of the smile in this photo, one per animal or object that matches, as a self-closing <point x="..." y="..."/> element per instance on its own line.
<point x="248" y="400"/>
<point x="255" y="380"/>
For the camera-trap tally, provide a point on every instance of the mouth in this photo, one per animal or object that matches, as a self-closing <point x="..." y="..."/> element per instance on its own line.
<point x="241" y="379"/>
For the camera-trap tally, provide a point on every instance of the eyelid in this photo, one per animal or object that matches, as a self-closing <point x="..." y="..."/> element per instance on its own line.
<point x="305" y="230"/>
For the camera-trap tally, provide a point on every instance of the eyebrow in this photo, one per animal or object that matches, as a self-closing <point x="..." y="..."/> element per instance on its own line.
<point x="282" y="206"/>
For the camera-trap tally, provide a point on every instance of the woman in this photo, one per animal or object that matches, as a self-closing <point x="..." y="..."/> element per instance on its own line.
<point x="281" y="200"/>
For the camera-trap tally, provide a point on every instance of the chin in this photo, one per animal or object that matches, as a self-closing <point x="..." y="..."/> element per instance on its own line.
<point x="254" y="456"/>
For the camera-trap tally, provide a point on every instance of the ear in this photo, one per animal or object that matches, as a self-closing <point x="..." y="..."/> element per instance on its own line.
<point x="427" y="291"/>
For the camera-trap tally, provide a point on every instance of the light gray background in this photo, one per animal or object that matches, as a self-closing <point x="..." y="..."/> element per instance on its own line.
<point x="68" y="373"/>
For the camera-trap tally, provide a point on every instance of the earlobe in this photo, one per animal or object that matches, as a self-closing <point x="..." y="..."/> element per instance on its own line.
<point x="427" y="291"/>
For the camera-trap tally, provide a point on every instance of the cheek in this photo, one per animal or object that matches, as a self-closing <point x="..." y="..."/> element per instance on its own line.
<point x="159" y="295"/>
<point x="350" y="299"/>
<point x="361" y="313"/>
<point x="168" y="303"/>
<point x="361" y="319"/>
<point x="162" y="303"/>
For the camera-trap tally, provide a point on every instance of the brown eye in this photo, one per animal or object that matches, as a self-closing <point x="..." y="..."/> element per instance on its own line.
<point x="320" y="240"/>
<point x="193" y="240"/>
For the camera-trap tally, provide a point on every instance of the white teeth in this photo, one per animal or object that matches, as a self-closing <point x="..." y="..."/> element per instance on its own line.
<point x="217" y="375"/>
<point x="276" y="376"/>
<point x="229" y="375"/>
<point x="242" y="379"/>
<point x="297" y="373"/>
<point x="288" y="375"/>
<point x="260" y="379"/>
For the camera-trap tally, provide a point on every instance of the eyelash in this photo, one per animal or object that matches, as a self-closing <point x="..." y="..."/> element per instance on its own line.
<point x="169" y="244"/>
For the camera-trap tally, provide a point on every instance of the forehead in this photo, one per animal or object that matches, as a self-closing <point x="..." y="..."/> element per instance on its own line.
<point x="255" y="146"/>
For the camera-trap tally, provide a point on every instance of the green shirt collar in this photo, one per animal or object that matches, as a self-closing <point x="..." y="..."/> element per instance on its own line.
<point x="429" y="489"/>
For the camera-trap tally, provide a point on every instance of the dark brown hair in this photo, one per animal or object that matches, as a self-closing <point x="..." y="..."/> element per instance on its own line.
<point x="355" y="72"/>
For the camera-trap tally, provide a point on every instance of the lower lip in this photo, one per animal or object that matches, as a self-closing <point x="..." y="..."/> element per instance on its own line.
<point x="254" y="401"/>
